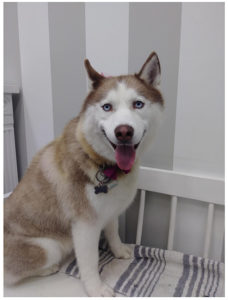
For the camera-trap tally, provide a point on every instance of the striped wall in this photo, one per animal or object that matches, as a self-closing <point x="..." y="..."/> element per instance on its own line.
<point x="50" y="44"/>
<point x="148" y="33"/>
<point x="199" y="132"/>
<point x="189" y="140"/>
<point x="107" y="31"/>
<point x="35" y="74"/>
<point x="67" y="48"/>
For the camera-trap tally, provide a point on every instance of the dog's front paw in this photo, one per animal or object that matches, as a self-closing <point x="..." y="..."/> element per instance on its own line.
<point x="100" y="291"/>
<point x="123" y="251"/>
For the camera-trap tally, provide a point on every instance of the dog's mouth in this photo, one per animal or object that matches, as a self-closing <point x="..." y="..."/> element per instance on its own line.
<point x="124" y="153"/>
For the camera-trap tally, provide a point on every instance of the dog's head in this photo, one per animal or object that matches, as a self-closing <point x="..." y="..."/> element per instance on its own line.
<point x="120" y="114"/>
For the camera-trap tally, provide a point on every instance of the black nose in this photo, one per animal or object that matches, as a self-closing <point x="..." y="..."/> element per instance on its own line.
<point x="124" y="133"/>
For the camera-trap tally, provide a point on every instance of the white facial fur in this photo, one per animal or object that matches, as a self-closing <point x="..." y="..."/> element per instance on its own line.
<point x="144" y="121"/>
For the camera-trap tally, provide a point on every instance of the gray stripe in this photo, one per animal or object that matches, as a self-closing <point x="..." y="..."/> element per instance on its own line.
<point x="134" y="275"/>
<point x="104" y="260"/>
<point x="182" y="281"/>
<point x="67" y="35"/>
<point x="164" y="265"/>
<point x="153" y="269"/>
<point x="70" y="267"/>
<point x="137" y="251"/>
<point x="152" y="260"/>
<point x="208" y="277"/>
<point x="153" y="281"/>
<point x="102" y="256"/>
<point x="144" y="252"/>
<point x="218" y="278"/>
<point x="76" y="272"/>
<point x="151" y="272"/>
<point x="136" y="286"/>
<point x="129" y="270"/>
<point x="194" y="276"/>
<point x="201" y="278"/>
<point x="213" y="278"/>
<point x="107" y="260"/>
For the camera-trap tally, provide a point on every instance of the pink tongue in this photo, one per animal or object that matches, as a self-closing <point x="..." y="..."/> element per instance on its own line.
<point x="125" y="156"/>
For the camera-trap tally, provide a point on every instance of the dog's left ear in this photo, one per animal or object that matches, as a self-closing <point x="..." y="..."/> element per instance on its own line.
<point x="93" y="75"/>
<point x="151" y="70"/>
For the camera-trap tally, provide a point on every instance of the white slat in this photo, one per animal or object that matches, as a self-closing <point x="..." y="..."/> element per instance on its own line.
<point x="172" y="222"/>
<point x="207" y="242"/>
<point x="140" y="217"/>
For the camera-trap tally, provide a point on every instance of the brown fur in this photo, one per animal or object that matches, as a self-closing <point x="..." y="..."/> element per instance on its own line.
<point x="95" y="77"/>
<point x="27" y="257"/>
<point x="36" y="209"/>
<point x="52" y="192"/>
<point x="133" y="81"/>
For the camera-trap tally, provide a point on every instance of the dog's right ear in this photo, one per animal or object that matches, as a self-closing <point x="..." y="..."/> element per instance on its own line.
<point x="93" y="75"/>
<point x="151" y="71"/>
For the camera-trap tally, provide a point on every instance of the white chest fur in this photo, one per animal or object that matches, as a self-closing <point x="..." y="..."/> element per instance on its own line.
<point x="112" y="204"/>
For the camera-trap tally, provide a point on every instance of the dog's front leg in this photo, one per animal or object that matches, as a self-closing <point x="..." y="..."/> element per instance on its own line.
<point x="86" y="237"/>
<point x="119" y="249"/>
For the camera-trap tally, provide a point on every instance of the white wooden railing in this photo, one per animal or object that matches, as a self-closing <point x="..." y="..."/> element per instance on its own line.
<point x="178" y="185"/>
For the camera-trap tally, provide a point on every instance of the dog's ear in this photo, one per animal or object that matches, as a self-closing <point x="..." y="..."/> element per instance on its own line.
<point x="151" y="70"/>
<point x="93" y="75"/>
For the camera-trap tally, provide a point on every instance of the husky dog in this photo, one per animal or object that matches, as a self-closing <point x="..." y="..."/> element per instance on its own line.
<point x="80" y="183"/>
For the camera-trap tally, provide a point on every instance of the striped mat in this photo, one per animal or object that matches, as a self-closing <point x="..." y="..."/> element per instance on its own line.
<point x="156" y="272"/>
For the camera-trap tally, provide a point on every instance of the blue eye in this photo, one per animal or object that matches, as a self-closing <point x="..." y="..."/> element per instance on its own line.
<point x="138" y="104"/>
<point x="107" y="107"/>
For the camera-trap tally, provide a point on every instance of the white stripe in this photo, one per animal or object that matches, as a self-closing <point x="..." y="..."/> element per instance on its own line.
<point x="34" y="46"/>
